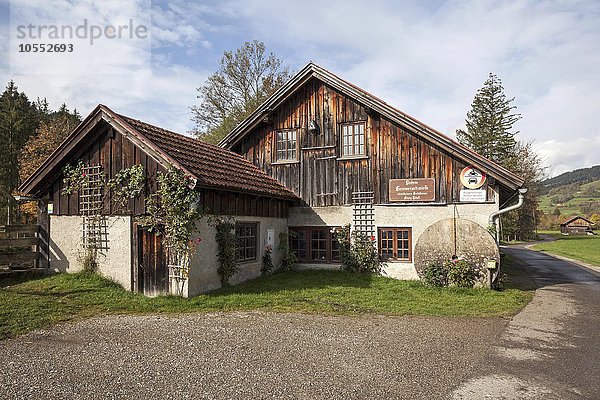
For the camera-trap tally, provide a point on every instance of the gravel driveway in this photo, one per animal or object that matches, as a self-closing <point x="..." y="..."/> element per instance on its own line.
<point x="246" y="355"/>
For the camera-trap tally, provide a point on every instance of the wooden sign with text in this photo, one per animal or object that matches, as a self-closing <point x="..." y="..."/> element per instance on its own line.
<point x="412" y="190"/>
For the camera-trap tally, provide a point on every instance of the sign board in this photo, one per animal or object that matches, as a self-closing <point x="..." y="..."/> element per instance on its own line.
<point x="472" y="178"/>
<point x="412" y="190"/>
<point x="473" y="196"/>
<point x="50" y="208"/>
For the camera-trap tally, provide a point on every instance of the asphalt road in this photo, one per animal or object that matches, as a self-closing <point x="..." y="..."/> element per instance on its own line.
<point x="551" y="350"/>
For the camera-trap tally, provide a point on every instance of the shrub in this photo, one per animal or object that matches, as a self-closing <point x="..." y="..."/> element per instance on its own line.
<point x="358" y="251"/>
<point x="267" y="261"/>
<point x="460" y="273"/>
<point x="289" y="258"/>
<point x="435" y="274"/>
<point x="225" y="237"/>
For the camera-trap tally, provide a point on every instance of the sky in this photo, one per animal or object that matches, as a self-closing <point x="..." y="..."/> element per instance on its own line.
<point x="426" y="58"/>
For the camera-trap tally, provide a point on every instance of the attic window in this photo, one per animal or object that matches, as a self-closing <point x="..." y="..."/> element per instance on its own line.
<point x="286" y="145"/>
<point x="353" y="139"/>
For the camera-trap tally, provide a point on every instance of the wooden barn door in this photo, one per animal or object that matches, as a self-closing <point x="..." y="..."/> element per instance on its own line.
<point x="152" y="274"/>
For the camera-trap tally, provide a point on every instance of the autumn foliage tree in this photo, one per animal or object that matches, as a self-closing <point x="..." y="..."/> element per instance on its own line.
<point x="54" y="127"/>
<point x="246" y="77"/>
<point x="50" y="133"/>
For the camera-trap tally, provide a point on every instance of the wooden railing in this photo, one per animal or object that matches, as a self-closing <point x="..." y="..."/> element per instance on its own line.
<point x="20" y="246"/>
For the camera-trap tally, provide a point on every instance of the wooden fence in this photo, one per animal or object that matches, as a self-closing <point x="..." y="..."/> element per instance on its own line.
<point x="20" y="246"/>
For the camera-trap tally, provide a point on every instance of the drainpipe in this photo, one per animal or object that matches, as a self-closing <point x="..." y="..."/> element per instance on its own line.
<point x="494" y="216"/>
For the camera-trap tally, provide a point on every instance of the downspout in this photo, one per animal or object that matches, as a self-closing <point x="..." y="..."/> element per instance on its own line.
<point x="493" y="271"/>
<point x="494" y="216"/>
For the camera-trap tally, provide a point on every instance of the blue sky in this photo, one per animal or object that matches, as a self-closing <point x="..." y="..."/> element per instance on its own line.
<point x="426" y="58"/>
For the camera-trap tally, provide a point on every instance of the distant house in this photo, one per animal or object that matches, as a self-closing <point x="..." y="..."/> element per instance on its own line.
<point x="576" y="225"/>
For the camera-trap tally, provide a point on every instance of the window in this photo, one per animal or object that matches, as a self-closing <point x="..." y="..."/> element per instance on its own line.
<point x="395" y="244"/>
<point x="286" y="145"/>
<point x="246" y="237"/>
<point x="315" y="244"/>
<point x="353" y="139"/>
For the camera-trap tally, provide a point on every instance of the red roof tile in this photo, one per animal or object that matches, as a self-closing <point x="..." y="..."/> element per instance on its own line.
<point x="212" y="166"/>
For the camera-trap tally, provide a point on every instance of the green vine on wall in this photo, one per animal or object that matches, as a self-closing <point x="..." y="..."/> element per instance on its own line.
<point x="225" y="238"/>
<point x="127" y="184"/>
<point x="173" y="210"/>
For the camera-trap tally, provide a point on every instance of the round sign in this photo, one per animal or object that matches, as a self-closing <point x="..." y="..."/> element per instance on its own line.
<point x="472" y="178"/>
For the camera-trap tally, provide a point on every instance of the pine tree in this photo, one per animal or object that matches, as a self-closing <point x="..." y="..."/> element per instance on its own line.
<point x="245" y="79"/>
<point x="489" y="123"/>
<point x="489" y="132"/>
<point x="18" y="121"/>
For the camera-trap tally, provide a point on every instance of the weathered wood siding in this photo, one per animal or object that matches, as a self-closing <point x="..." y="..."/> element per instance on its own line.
<point x="114" y="152"/>
<point x="321" y="177"/>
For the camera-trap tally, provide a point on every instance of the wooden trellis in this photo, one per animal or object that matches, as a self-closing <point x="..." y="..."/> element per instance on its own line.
<point x="363" y="212"/>
<point x="94" y="231"/>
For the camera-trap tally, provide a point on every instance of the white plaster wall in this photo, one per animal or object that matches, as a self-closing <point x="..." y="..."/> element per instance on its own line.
<point x="66" y="250"/>
<point x="416" y="216"/>
<point x="203" y="275"/>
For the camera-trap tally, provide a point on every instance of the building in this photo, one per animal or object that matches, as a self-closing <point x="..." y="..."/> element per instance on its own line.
<point x="352" y="158"/>
<point x="577" y="226"/>
<point x="317" y="155"/>
<point x="227" y="185"/>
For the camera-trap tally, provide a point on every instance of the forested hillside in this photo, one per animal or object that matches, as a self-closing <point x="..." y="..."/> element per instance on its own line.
<point x="582" y="175"/>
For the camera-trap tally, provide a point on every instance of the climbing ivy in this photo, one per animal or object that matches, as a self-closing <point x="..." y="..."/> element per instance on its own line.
<point x="172" y="210"/>
<point x="225" y="238"/>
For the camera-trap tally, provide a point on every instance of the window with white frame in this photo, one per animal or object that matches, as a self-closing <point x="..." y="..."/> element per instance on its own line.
<point x="353" y="139"/>
<point x="286" y="145"/>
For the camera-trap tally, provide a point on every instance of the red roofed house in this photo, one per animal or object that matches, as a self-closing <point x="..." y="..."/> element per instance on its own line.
<point x="227" y="184"/>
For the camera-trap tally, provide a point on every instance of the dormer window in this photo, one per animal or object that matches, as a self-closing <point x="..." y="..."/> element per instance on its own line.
<point x="286" y="145"/>
<point x="353" y="139"/>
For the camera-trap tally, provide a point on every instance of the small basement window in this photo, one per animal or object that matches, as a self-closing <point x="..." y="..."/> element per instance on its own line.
<point x="353" y="139"/>
<point x="395" y="244"/>
<point x="246" y="238"/>
<point x="286" y="145"/>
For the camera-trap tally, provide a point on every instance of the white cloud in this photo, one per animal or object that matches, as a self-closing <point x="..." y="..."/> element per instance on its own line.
<point x="426" y="58"/>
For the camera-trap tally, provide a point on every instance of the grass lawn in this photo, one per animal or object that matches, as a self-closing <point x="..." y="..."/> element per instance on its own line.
<point x="580" y="247"/>
<point x="30" y="304"/>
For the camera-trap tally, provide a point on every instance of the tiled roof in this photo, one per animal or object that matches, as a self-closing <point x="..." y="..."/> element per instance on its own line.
<point x="212" y="166"/>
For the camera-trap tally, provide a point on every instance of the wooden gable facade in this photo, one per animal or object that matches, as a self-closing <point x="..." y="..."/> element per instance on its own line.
<point x="317" y="110"/>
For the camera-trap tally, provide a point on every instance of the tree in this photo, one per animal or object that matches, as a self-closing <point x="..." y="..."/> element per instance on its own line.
<point x="244" y="80"/>
<point x="18" y="121"/>
<point x="489" y="123"/>
<point x="50" y="133"/>
<point x="489" y="132"/>
<point x="522" y="222"/>
<point x="53" y="129"/>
